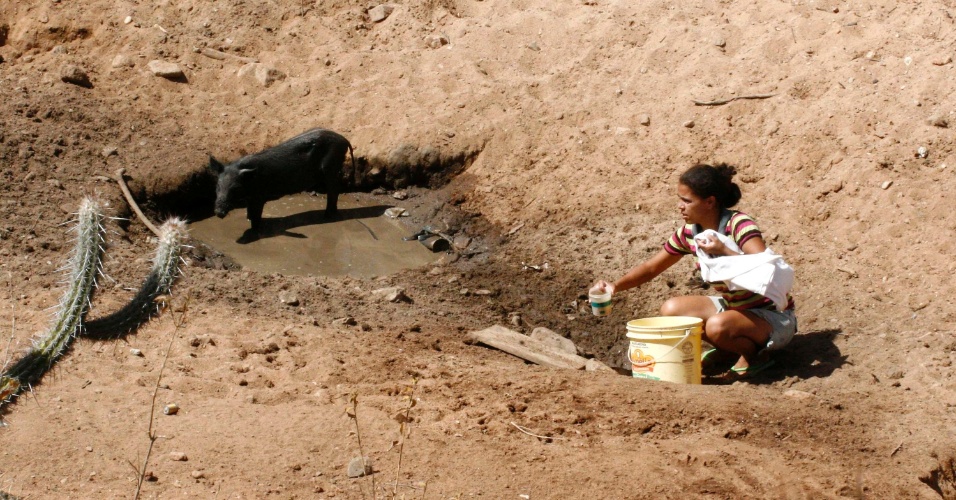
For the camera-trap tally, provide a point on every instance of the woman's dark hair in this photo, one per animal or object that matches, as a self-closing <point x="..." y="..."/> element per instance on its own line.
<point x="713" y="180"/>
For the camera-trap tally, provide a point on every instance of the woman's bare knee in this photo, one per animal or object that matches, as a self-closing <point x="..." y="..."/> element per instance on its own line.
<point x="672" y="307"/>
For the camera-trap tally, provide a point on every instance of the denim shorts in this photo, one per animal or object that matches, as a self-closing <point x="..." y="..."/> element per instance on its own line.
<point x="783" y="324"/>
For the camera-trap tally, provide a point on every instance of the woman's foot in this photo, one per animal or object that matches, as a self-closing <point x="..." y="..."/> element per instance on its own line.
<point x="714" y="362"/>
<point x="748" y="367"/>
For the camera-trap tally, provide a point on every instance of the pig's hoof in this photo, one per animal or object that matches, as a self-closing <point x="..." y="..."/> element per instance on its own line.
<point x="248" y="237"/>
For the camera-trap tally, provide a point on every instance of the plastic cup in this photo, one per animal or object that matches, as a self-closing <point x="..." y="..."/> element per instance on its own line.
<point x="600" y="302"/>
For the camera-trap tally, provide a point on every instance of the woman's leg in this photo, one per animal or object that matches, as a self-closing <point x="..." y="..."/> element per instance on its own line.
<point x="696" y="306"/>
<point x="739" y="332"/>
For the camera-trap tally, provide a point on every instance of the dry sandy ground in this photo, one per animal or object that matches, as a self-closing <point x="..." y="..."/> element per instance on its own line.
<point x="537" y="132"/>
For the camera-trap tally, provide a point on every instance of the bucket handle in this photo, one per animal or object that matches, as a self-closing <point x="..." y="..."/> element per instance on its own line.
<point x="686" y="336"/>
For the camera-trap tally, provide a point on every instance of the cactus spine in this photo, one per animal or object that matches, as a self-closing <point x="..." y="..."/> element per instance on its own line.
<point x="83" y="267"/>
<point x="172" y="235"/>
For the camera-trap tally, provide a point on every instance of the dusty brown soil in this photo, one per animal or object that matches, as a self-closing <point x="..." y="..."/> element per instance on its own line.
<point x="566" y="124"/>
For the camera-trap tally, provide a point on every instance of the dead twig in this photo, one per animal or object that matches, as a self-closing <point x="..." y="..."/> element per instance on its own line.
<point x="526" y="431"/>
<point x="132" y="202"/>
<point x="725" y="101"/>
<point x="897" y="449"/>
<point x="177" y="324"/>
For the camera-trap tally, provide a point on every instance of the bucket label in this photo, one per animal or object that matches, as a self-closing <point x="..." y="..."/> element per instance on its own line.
<point x="641" y="362"/>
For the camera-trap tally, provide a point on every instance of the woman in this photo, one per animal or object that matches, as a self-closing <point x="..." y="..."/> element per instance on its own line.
<point x="741" y="325"/>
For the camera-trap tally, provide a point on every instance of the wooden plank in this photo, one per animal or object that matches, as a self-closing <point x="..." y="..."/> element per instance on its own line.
<point x="527" y="348"/>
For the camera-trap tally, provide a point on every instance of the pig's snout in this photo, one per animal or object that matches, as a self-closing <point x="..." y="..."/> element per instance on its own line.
<point x="221" y="214"/>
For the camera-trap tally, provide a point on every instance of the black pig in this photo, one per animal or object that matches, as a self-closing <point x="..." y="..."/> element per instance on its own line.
<point x="308" y="161"/>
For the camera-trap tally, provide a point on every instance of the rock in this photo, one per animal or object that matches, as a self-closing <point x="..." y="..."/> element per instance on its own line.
<point x="288" y="298"/>
<point x="136" y="352"/>
<point x="74" y="75"/>
<point x="400" y="195"/>
<point x="263" y="74"/>
<point x="720" y="42"/>
<point x="359" y="467"/>
<point x="197" y="474"/>
<point x="380" y="13"/>
<point x="122" y="61"/>
<point x="178" y="456"/>
<point x="109" y="151"/>
<point x="795" y="394"/>
<point x="939" y="121"/>
<point x="436" y="41"/>
<point x="396" y="212"/>
<point x="594" y="365"/>
<point x="128" y="19"/>
<point x="554" y="339"/>
<point x="168" y="70"/>
<point x="689" y="124"/>
<point x="461" y="242"/>
<point x="942" y="60"/>
<point x="346" y="321"/>
<point x="644" y="119"/>
<point x="886" y="184"/>
<point x="922" y="152"/>
<point x="392" y="294"/>
<point x="55" y="183"/>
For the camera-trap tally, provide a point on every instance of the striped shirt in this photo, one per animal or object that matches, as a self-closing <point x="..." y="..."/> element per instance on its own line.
<point x="741" y="228"/>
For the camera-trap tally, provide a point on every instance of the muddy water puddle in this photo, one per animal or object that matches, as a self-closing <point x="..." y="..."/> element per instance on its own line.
<point x="296" y="239"/>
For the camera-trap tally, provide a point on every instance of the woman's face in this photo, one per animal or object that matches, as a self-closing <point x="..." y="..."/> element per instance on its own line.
<point x="693" y="208"/>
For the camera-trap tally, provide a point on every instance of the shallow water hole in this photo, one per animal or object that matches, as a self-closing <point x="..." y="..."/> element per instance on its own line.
<point x="298" y="240"/>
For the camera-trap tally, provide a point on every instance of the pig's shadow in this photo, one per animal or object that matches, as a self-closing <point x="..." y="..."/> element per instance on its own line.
<point x="271" y="227"/>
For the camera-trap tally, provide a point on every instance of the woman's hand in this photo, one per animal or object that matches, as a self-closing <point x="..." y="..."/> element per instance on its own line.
<point x="713" y="246"/>
<point x="603" y="286"/>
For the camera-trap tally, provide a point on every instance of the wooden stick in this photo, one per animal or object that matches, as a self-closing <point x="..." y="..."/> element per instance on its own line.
<point x="725" y="101"/>
<point x="526" y="431"/>
<point x="132" y="202"/>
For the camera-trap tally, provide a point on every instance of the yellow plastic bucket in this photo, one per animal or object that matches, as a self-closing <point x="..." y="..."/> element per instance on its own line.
<point x="665" y="348"/>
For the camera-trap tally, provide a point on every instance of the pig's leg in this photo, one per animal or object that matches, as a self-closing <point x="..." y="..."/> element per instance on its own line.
<point x="254" y="213"/>
<point x="332" y="175"/>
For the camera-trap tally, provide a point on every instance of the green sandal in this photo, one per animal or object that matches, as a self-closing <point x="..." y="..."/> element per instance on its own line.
<point x="711" y="366"/>
<point x="749" y="371"/>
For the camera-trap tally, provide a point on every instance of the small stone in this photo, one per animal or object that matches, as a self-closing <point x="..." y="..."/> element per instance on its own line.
<point x="136" y="352"/>
<point x="178" y="456"/>
<point x="593" y="365"/>
<point x="122" y="61"/>
<point x="534" y="46"/>
<point x="288" y="298"/>
<point x="886" y="184"/>
<point x="109" y="151"/>
<point x="197" y="474"/>
<point x="89" y="448"/>
<point x="76" y="76"/>
<point x="922" y="152"/>
<point x="462" y="242"/>
<point x="939" y="121"/>
<point x="942" y="60"/>
<point x="400" y="195"/>
<point x="263" y="74"/>
<point x="128" y="20"/>
<point x="380" y="13"/>
<point x="167" y="70"/>
<point x="436" y="41"/>
<point x="720" y="42"/>
<point x="689" y="124"/>
<point x="644" y="119"/>
<point x="795" y="394"/>
<point x="55" y="183"/>
<point x="359" y="467"/>
<point x="171" y="409"/>
<point x="346" y="321"/>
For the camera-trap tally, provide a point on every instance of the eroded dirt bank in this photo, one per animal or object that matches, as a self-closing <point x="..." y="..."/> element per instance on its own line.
<point x="570" y="124"/>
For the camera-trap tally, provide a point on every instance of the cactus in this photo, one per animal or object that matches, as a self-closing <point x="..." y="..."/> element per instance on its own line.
<point x="83" y="268"/>
<point x="70" y="318"/>
<point x="143" y="305"/>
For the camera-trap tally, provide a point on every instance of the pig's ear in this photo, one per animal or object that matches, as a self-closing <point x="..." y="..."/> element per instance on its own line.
<point x="215" y="166"/>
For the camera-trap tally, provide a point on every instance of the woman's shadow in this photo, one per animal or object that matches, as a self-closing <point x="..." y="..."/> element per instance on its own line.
<point x="271" y="227"/>
<point x="809" y="355"/>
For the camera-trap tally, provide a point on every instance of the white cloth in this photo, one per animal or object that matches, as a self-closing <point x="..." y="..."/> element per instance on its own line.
<point x="763" y="273"/>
